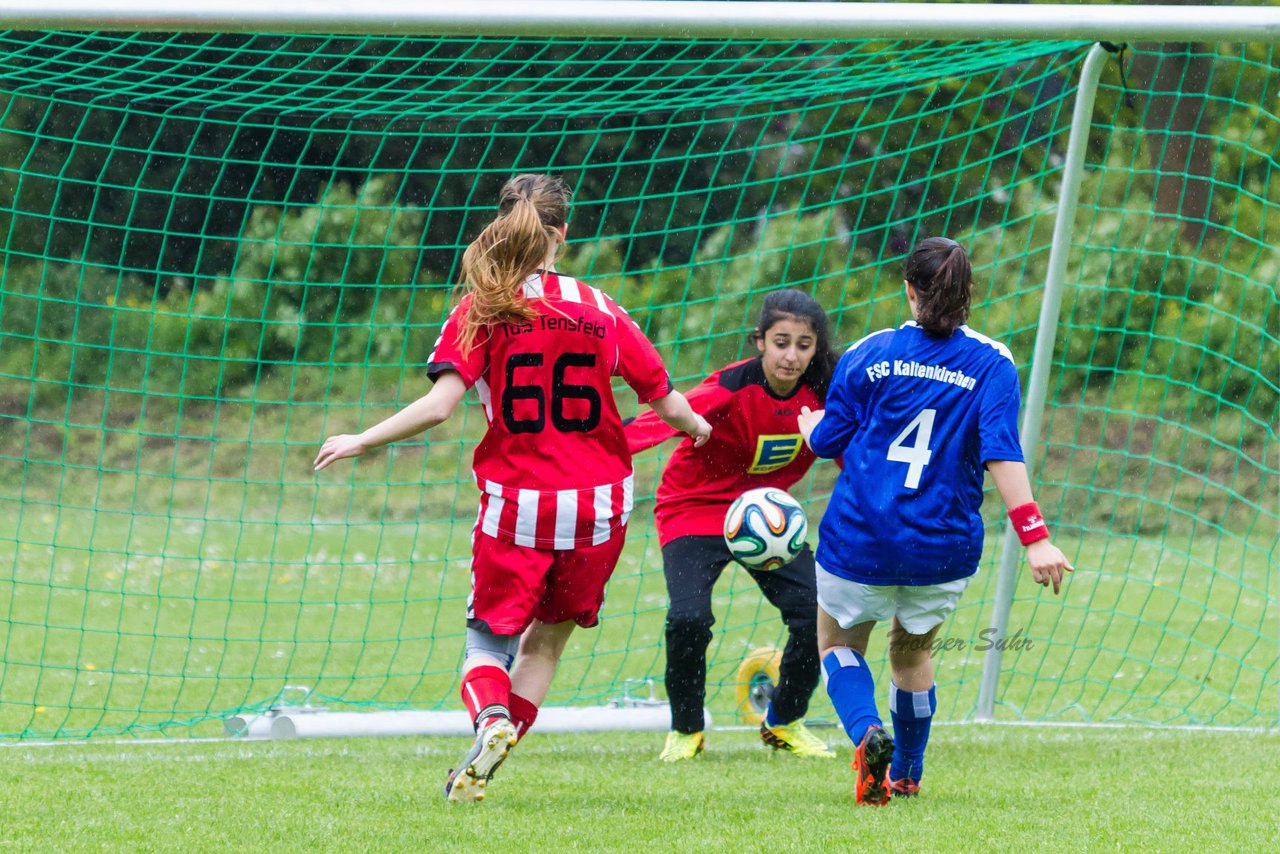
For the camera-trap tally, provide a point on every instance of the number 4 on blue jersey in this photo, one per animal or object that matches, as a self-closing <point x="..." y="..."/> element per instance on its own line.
<point x="917" y="454"/>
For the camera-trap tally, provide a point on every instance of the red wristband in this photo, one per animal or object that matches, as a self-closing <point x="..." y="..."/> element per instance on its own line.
<point x="1029" y="524"/>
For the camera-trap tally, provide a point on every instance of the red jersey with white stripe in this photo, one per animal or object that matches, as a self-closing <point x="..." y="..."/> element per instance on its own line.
<point x="553" y="468"/>
<point x="755" y="442"/>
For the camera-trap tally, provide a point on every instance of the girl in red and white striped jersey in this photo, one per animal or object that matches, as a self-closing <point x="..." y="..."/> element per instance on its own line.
<point x="554" y="470"/>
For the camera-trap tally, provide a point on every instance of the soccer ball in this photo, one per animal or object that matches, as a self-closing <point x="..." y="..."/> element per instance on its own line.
<point x="765" y="528"/>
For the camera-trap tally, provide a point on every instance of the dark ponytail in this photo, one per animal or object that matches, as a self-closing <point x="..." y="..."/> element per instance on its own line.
<point x="939" y="270"/>
<point x="790" y="304"/>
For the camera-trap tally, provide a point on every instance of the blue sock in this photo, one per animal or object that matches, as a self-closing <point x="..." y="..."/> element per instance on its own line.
<point x="912" y="712"/>
<point x="852" y="691"/>
<point x="770" y="719"/>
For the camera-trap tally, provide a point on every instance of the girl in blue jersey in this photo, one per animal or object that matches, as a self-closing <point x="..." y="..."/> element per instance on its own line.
<point x="917" y="413"/>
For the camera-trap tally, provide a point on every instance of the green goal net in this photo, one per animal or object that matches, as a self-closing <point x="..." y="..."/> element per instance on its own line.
<point x="220" y="248"/>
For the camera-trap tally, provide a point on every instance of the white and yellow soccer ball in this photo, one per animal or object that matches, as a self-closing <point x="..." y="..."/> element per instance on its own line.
<point x="765" y="528"/>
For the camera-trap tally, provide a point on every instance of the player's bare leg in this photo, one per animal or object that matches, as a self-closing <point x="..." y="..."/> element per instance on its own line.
<point x="541" y="646"/>
<point x="831" y="635"/>
<point x="910" y="657"/>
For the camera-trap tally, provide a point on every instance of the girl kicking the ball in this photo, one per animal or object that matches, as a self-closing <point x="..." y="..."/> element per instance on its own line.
<point x="554" y="473"/>
<point x="753" y="406"/>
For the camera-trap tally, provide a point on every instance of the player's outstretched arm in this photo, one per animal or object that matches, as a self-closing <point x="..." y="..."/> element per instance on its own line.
<point x="674" y="409"/>
<point x="426" y="412"/>
<point x="1048" y="563"/>
<point x="648" y="429"/>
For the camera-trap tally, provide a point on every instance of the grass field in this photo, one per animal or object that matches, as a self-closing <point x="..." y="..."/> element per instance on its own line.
<point x="987" y="789"/>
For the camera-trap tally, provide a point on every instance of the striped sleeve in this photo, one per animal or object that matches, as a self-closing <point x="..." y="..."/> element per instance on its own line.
<point x="447" y="355"/>
<point x="647" y="429"/>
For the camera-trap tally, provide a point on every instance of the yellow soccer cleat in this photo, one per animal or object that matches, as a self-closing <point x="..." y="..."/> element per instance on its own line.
<point x="795" y="738"/>
<point x="682" y="746"/>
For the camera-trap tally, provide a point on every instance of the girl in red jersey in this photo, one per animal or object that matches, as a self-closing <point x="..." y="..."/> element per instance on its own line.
<point x="553" y="468"/>
<point x="754" y="407"/>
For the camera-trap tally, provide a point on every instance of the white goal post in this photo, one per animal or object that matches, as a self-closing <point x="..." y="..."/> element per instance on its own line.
<point x="655" y="18"/>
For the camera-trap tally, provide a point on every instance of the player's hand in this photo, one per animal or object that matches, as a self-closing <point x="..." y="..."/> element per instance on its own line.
<point x="809" y="419"/>
<point x="339" y="448"/>
<point x="1048" y="564"/>
<point x="701" y="432"/>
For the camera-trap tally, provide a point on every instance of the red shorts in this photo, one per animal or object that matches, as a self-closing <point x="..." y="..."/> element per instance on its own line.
<point x="512" y="585"/>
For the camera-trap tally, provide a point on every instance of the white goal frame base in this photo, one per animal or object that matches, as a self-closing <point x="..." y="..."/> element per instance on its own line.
<point x="304" y="720"/>
<point x="287" y="722"/>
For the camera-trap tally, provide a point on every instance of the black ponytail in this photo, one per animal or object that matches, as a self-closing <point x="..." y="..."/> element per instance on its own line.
<point x="938" y="268"/>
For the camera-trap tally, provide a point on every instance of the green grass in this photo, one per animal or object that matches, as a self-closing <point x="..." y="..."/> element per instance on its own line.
<point x="987" y="788"/>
